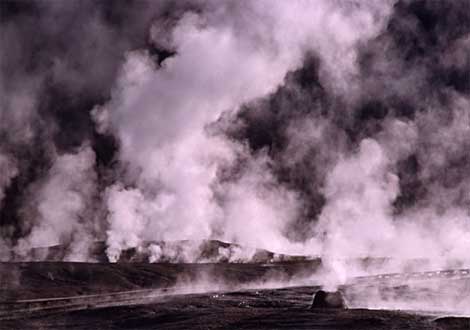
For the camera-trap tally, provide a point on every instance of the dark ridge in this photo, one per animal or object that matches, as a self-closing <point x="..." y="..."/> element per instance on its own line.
<point x="207" y="251"/>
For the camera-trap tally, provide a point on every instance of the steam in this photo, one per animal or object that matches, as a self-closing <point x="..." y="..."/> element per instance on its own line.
<point x="359" y="193"/>
<point x="62" y="204"/>
<point x="161" y="118"/>
<point x="336" y="129"/>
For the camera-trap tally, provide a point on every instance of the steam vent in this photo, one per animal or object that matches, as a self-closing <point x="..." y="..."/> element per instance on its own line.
<point x="234" y="164"/>
<point x="324" y="299"/>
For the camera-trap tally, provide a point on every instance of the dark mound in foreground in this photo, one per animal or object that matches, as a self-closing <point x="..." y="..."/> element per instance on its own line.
<point x="324" y="299"/>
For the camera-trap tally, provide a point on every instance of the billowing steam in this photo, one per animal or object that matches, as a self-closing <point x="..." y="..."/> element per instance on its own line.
<point x="62" y="204"/>
<point x="161" y="117"/>
<point x="332" y="128"/>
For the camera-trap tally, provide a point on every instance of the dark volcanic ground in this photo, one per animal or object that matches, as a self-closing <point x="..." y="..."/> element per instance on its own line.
<point x="253" y="309"/>
<point x="198" y="296"/>
<point x="32" y="280"/>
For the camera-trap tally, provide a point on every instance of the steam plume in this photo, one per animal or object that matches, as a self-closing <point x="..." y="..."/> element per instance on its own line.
<point x="332" y="128"/>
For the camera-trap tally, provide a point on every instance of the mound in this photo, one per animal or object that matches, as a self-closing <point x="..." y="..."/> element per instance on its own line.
<point x="324" y="299"/>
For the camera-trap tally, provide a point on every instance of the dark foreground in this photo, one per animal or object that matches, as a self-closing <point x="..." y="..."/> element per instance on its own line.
<point x="251" y="309"/>
<point x="188" y="296"/>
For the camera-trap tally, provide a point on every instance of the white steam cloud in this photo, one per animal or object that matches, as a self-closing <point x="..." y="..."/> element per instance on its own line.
<point x="63" y="204"/>
<point x="160" y="116"/>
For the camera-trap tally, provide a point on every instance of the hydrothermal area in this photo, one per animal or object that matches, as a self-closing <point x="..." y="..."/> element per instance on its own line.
<point x="221" y="296"/>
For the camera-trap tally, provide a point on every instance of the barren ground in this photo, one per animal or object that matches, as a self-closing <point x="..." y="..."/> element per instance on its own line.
<point x="144" y="296"/>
